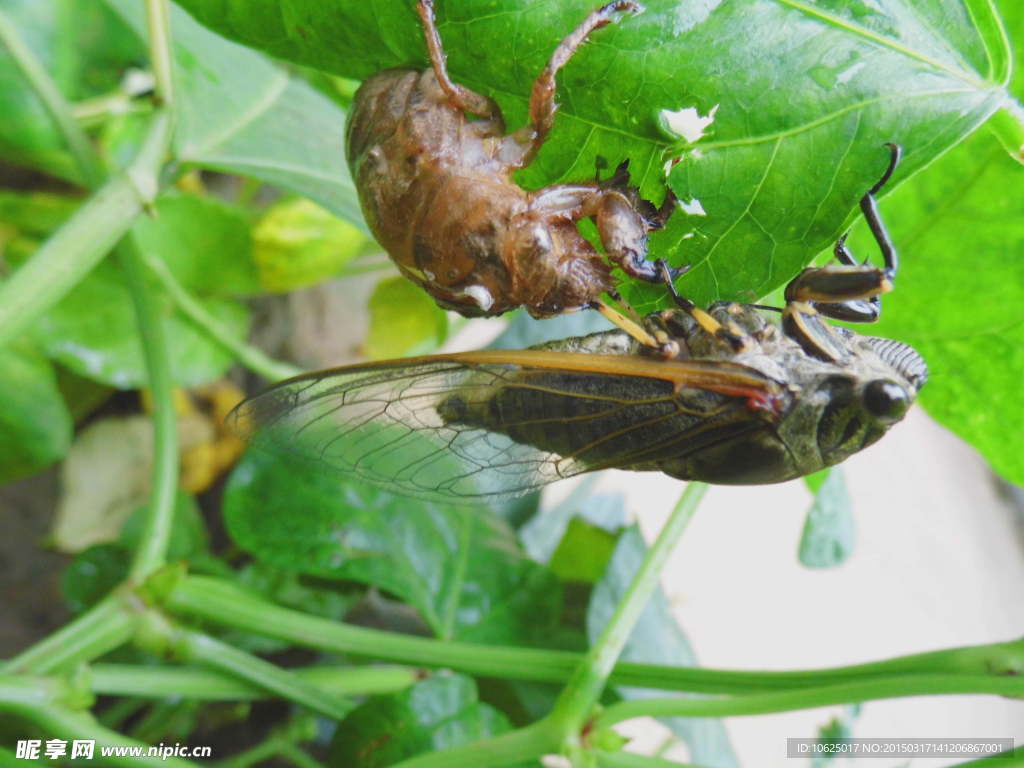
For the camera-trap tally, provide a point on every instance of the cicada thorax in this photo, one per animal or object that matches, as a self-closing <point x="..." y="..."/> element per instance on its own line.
<point x="592" y="421"/>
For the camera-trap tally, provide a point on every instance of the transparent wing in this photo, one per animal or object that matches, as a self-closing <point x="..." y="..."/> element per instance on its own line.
<point x="381" y="423"/>
<point x="444" y="427"/>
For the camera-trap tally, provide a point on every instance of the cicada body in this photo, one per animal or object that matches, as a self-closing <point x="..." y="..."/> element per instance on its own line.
<point x="501" y="423"/>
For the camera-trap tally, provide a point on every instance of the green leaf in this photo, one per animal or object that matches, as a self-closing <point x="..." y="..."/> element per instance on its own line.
<point x="188" y="531"/>
<point x="460" y="568"/>
<point x="92" y="574"/>
<point x="92" y="330"/>
<point x="828" y="535"/>
<point x="835" y="732"/>
<point x="297" y="243"/>
<point x="34" y="214"/>
<point x="240" y="113"/>
<point x="434" y="714"/>
<point x="35" y="425"/>
<point x="795" y="141"/>
<point x="84" y="48"/>
<point x="959" y="295"/>
<point x="583" y="552"/>
<point x="205" y="242"/>
<point x="656" y="639"/>
<point x="403" y="320"/>
<point x="542" y="534"/>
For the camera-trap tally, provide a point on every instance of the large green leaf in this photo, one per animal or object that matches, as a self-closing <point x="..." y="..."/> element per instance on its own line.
<point x="437" y="713"/>
<point x="92" y="330"/>
<point x="35" y="426"/>
<point x="204" y="242"/>
<point x="461" y="568"/>
<point x="805" y="93"/>
<point x="656" y="639"/>
<point x="403" y="320"/>
<point x="84" y="48"/>
<point x="828" y="536"/>
<point x="959" y="297"/>
<point x="240" y="113"/>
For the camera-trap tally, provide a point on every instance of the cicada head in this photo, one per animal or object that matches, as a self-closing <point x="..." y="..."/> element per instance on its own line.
<point x="833" y="407"/>
<point x="845" y="407"/>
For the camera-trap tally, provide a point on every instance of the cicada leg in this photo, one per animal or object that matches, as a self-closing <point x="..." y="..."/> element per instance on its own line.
<point x="733" y="335"/>
<point x="850" y="290"/>
<point x="542" y="97"/>
<point x="459" y="96"/>
<point x="633" y="327"/>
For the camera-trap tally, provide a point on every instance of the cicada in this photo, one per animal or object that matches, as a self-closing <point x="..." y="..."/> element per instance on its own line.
<point x="736" y="394"/>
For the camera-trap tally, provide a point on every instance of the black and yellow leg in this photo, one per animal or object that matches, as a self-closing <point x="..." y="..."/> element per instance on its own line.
<point x="850" y="290"/>
<point x="732" y="336"/>
<point x="627" y="324"/>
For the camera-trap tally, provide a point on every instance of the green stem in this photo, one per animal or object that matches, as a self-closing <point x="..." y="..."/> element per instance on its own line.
<point x="989" y="24"/>
<point x="630" y="760"/>
<point x="152" y="550"/>
<point x="53" y="100"/>
<point x="260" y="753"/>
<point x="1008" y="126"/>
<point x="214" y="685"/>
<point x="74" y="249"/>
<point x="105" y="626"/>
<point x="221" y="603"/>
<point x="584" y="688"/>
<point x="213" y="600"/>
<point x="158" y="27"/>
<point x="57" y="722"/>
<point x="206" y="650"/>
<point x="252" y="358"/>
<point x="808" y="698"/>
<point x="516" y="746"/>
<point x="1012" y="759"/>
<point x="22" y="691"/>
<point x="296" y="756"/>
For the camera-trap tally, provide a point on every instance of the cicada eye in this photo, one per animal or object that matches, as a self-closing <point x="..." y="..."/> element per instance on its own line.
<point x="886" y="401"/>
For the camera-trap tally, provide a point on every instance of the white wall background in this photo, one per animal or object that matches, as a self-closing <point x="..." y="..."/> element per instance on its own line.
<point x="938" y="563"/>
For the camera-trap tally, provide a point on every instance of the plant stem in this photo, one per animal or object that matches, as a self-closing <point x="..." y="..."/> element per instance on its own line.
<point x="152" y="549"/>
<point x="58" y="722"/>
<point x="24" y="691"/>
<point x="630" y="760"/>
<point x="158" y="27"/>
<point x="1008" y="126"/>
<point x="53" y="100"/>
<point x="216" y="601"/>
<point x="1012" y="759"/>
<point x="249" y="356"/>
<point x="74" y="249"/>
<point x="516" y="746"/>
<point x="206" y="650"/>
<point x="808" y="698"/>
<point x="584" y="688"/>
<point x="292" y="753"/>
<point x="214" y="685"/>
<point x="105" y="626"/>
<point x="989" y="25"/>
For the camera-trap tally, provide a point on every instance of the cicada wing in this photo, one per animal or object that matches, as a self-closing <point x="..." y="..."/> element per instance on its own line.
<point x="497" y="424"/>
<point x="381" y="423"/>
